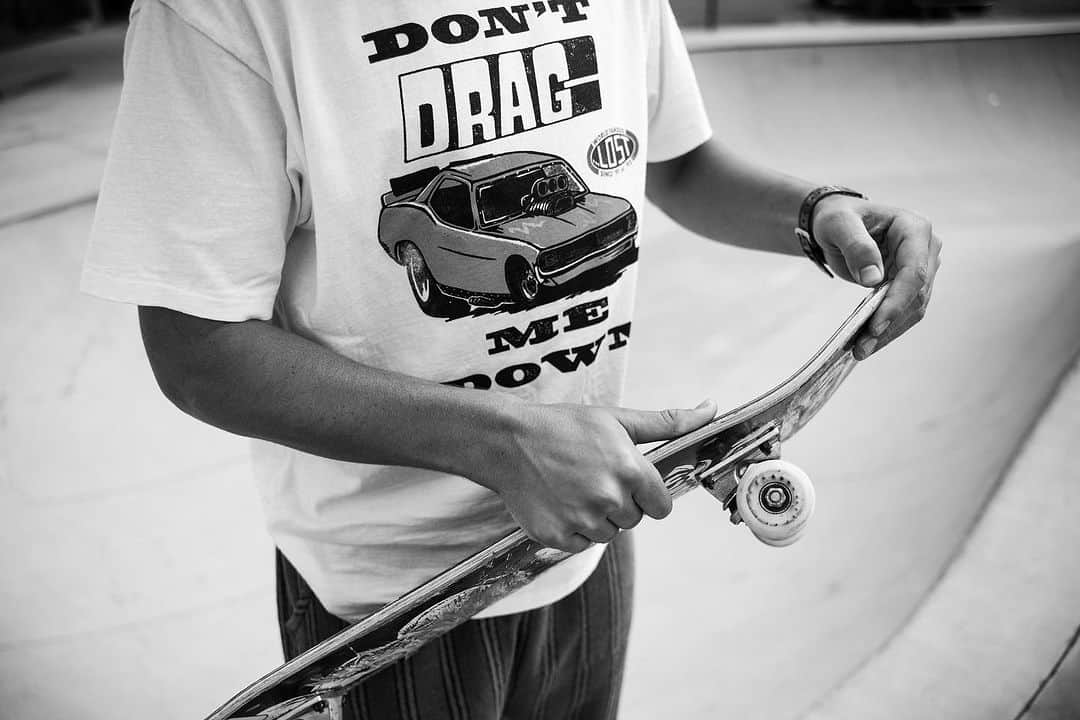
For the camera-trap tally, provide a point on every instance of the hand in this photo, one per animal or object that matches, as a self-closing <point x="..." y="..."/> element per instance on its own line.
<point x="865" y="242"/>
<point x="571" y="474"/>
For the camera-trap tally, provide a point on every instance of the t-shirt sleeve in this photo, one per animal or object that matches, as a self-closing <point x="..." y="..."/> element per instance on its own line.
<point x="677" y="119"/>
<point x="196" y="205"/>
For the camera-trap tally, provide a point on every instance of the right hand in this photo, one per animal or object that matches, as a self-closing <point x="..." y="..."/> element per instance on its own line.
<point x="572" y="476"/>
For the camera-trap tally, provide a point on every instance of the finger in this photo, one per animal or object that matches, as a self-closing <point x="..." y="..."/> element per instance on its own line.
<point x="892" y="315"/>
<point x="650" y="494"/>
<point x="917" y="310"/>
<point x="911" y="237"/>
<point x="861" y="256"/>
<point x="902" y="321"/>
<point x="600" y="531"/>
<point x="651" y="425"/>
<point x="626" y="517"/>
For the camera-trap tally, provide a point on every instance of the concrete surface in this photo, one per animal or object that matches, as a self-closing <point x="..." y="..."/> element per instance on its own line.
<point x="57" y="101"/>
<point x="996" y="637"/>
<point x="978" y="136"/>
<point x="138" y="578"/>
<point x="728" y="13"/>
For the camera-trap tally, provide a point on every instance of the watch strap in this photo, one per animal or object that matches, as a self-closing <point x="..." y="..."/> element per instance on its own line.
<point x="804" y="231"/>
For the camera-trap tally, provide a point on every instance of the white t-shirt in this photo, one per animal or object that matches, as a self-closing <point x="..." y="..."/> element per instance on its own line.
<point x="451" y="190"/>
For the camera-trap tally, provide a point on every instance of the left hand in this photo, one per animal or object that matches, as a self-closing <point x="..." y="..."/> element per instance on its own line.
<point x="865" y="243"/>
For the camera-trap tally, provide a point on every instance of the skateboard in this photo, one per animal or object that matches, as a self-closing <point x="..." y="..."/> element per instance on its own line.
<point x="736" y="458"/>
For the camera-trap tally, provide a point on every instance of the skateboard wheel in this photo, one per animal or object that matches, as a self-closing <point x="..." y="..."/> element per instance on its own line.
<point x="776" y="500"/>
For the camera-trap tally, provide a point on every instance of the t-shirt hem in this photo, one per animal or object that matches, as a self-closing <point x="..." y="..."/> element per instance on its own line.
<point x="531" y="598"/>
<point x="232" y="308"/>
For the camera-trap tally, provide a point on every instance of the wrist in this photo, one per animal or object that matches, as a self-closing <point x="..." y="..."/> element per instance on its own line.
<point x="488" y="446"/>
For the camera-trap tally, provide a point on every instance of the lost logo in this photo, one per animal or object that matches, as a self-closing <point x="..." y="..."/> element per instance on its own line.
<point x="612" y="151"/>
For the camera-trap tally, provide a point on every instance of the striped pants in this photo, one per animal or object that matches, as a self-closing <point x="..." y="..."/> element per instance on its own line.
<point x="559" y="662"/>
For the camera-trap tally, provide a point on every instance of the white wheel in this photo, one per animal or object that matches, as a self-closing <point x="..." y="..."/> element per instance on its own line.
<point x="776" y="501"/>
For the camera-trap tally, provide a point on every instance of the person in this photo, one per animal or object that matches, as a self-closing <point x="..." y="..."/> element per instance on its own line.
<point x="396" y="244"/>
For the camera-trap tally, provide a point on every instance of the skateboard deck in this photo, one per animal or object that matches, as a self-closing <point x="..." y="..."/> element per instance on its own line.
<point x="735" y="457"/>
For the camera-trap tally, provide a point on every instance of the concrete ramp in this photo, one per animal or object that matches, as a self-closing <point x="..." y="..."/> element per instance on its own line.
<point x="980" y="136"/>
<point x="996" y="637"/>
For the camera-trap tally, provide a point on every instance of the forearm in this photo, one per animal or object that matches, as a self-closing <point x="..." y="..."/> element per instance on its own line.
<point x="569" y="474"/>
<point x="712" y="192"/>
<point x="257" y="380"/>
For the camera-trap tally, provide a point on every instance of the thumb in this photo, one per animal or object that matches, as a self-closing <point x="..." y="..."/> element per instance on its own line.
<point x="651" y="425"/>
<point x="861" y="253"/>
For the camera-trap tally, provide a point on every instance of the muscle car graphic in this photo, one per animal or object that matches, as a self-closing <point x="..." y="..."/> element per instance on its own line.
<point x="498" y="228"/>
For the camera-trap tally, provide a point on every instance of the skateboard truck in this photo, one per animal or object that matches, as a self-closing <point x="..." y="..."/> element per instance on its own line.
<point x="768" y="450"/>
<point x="774" y="498"/>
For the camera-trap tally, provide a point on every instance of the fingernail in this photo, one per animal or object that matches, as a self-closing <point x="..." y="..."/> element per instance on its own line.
<point x="867" y="346"/>
<point x="870" y="275"/>
<point x="879" y="328"/>
<point x="704" y="403"/>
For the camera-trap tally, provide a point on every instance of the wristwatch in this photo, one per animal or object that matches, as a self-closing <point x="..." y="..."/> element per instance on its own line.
<point x="805" y="233"/>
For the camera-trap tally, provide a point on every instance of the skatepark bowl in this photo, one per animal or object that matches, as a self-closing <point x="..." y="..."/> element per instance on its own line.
<point x="940" y="578"/>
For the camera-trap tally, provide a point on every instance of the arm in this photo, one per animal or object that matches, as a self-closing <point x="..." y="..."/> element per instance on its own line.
<point x="568" y="474"/>
<point x="255" y="379"/>
<point x="718" y="195"/>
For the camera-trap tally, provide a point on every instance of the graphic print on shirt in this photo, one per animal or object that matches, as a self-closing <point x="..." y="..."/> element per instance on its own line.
<point x="504" y="231"/>
<point x="481" y="99"/>
<point x="508" y="231"/>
